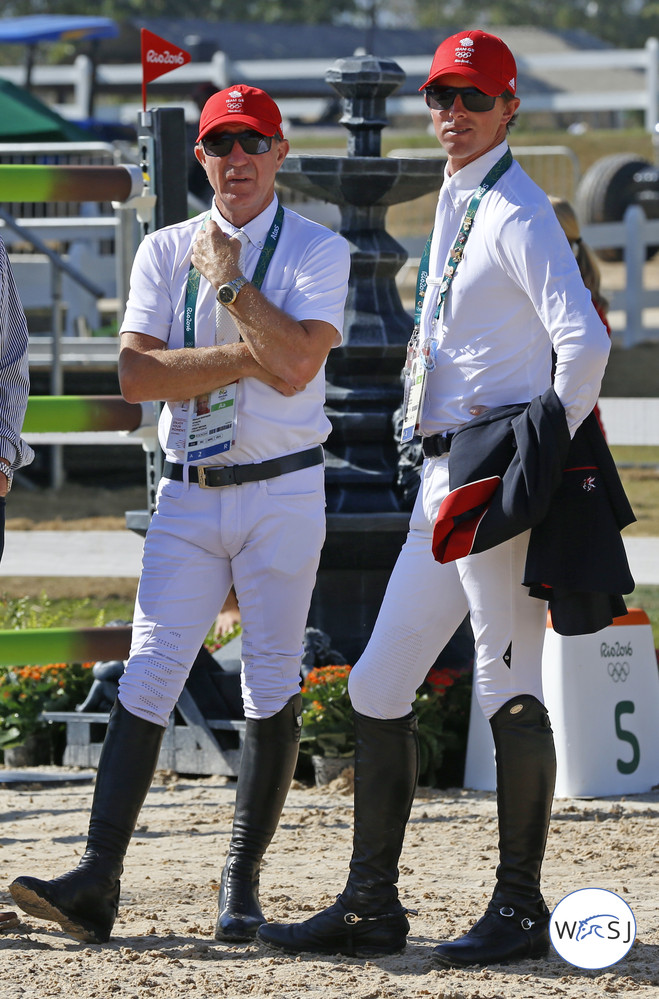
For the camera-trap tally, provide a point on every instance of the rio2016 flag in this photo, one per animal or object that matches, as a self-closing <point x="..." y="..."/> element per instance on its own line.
<point x="158" y="57"/>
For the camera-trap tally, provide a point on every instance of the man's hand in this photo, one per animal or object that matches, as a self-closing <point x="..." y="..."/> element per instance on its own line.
<point x="215" y="255"/>
<point x="277" y="383"/>
<point x="228" y="617"/>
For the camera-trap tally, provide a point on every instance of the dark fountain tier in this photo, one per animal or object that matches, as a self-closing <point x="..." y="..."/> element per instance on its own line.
<point x="365" y="526"/>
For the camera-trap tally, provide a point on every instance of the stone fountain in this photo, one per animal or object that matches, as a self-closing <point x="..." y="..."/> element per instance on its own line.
<point x="365" y="525"/>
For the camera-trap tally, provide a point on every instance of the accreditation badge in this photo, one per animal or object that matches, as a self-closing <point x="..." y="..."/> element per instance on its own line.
<point x="205" y="426"/>
<point x="415" y="387"/>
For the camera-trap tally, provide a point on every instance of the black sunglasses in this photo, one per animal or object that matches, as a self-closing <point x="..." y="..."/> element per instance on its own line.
<point x="442" y="98"/>
<point x="221" y="143"/>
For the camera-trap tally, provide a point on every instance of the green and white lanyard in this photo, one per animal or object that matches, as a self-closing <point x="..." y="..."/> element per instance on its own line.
<point x="420" y="361"/>
<point x="192" y="287"/>
<point x="207" y="425"/>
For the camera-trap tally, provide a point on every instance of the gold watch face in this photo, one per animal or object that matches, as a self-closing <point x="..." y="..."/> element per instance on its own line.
<point x="226" y="294"/>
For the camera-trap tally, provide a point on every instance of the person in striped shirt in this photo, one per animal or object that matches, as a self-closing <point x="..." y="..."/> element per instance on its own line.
<point x="14" y="384"/>
<point x="14" y="388"/>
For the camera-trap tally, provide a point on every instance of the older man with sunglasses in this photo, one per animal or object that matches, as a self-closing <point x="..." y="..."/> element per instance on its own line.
<point x="499" y="290"/>
<point x="230" y="319"/>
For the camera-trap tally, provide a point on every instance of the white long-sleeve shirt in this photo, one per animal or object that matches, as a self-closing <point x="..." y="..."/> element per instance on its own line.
<point x="14" y="370"/>
<point x="517" y="293"/>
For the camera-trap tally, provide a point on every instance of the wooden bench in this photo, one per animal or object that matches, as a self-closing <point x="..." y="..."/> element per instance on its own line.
<point x="190" y="744"/>
<point x="195" y="742"/>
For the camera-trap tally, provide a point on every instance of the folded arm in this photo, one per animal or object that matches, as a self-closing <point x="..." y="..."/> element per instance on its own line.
<point x="149" y="371"/>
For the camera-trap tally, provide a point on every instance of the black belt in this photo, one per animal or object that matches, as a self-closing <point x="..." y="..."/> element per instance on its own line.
<point x="436" y="445"/>
<point x="211" y="476"/>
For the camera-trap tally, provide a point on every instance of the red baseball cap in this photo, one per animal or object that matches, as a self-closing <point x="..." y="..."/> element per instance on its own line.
<point x="482" y="58"/>
<point x="240" y="105"/>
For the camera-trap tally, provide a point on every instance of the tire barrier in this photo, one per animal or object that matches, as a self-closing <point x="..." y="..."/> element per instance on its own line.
<point x="610" y="186"/>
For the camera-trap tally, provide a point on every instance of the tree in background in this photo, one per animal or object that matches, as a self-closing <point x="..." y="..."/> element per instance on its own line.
<point x="264" y="11"/>
<point x="625" y="24"/>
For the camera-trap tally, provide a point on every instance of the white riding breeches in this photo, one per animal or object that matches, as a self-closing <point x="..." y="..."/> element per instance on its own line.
<point x="264" y="537"/>
<point x="425" y="602"/>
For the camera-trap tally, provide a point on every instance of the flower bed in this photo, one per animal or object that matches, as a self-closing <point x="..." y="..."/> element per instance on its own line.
<point x="441" y="706"/>
<point x="26" y="691"/>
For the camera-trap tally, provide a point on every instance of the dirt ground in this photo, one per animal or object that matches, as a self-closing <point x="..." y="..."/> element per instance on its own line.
<point x="163" y="944"/>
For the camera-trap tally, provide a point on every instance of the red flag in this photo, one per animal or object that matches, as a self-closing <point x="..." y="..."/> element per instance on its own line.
<point x="159" y="57"/>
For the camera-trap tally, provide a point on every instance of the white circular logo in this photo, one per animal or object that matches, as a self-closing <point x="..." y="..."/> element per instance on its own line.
<point x="592" y="928"/>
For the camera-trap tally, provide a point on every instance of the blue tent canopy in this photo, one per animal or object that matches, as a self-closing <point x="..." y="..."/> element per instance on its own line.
<point x="36" y="28"/>
<point x="55" y="27"/>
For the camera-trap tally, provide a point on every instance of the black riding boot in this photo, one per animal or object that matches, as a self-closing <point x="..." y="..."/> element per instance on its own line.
<point x="267" y="766"/>
<point x="516" y="923"/>
<point x="367" y="918"/>
<point x="85" y="901"/>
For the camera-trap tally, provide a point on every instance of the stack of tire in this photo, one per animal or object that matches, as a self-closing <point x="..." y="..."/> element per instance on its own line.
<point x="610" y="186"/>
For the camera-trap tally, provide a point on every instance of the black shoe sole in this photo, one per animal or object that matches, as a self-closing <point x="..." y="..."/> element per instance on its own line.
<point x="245" y="937"/>
<point x="344" y="951"/>
<point x="446" y="962"/>
<point x="42" y="908"/>
<point x="239" y="930"/>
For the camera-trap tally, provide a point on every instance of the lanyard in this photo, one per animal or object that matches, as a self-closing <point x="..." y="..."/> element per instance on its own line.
<point x="192" y="287"/>
<point x="455" y="256"/>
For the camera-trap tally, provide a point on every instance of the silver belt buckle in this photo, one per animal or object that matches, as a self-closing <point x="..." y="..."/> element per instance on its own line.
<point x="201" y="477"/>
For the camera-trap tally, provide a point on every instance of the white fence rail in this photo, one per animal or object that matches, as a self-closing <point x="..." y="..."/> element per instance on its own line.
<point x="310" y="73"/>
<point x="630" y="421"/>
<point x="633" y="236"/>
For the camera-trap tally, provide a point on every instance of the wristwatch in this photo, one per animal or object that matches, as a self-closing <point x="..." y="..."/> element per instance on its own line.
<point x="9" y="472"/>
<point x="228" y="293"/>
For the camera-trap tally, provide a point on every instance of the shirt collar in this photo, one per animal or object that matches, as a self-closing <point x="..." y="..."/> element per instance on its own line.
<point x="255" y="230"/>
<point x="468" y="178"/>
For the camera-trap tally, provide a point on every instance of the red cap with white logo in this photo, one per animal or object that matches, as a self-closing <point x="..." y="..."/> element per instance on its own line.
<point x="481" y="58"/>
<point x="240" y="105"/>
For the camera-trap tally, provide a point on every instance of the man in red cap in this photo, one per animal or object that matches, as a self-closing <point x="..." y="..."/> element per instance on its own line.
<point x="241" y="306"/>
<point x="499" y="290"/>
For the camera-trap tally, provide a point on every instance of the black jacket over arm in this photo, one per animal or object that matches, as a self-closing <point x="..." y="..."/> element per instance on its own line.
<point x="515" y="468"/>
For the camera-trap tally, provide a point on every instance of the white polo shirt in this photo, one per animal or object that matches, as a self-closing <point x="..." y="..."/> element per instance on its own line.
<point x="517" y="293"/>
<point x="306" y="278"/>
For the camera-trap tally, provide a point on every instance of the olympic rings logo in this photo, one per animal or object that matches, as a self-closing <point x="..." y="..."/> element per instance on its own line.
<point x="618" y="671"/>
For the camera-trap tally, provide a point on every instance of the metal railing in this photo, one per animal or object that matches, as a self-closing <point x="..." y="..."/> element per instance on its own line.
<point x="100" y="420"/>
<point x="40" y="646"/>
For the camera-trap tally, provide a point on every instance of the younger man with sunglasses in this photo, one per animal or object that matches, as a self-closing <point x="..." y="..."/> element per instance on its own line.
<point x="502" y="290"/>
<point x="241" y="306"/>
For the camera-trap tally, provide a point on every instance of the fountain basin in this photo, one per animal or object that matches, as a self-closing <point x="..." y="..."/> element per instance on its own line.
<point x="362" y="181"/>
